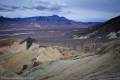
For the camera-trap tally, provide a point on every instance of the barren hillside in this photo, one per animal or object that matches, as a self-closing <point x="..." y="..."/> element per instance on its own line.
<point x="58" y="63"/>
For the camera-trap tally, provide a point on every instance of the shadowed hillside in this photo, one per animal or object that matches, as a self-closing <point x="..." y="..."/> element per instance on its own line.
<point x="109" y="29"/>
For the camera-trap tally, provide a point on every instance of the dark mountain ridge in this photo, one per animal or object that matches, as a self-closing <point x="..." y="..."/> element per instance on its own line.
<point x="52" y="19"/>
<point x="112" y="25"/>
<point x="108" y="28"/>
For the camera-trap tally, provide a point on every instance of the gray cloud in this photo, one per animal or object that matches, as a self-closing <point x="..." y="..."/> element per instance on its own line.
<point x="5" y="10"/>
<point x="98" y="5"/>
<point x="40" y="5"/>
<point x="56" y="8"/>
<point x="44" y="5"/>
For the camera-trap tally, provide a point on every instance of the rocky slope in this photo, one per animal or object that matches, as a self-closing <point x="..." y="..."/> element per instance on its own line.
<point x="110" y="29"/>
<point x="49" y="63"/>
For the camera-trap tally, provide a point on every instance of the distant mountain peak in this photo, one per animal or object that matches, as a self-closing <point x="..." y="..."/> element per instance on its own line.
<point x="55" y="16"/>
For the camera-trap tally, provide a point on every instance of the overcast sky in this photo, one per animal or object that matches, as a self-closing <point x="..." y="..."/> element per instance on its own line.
<point x="79" y="10"/>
